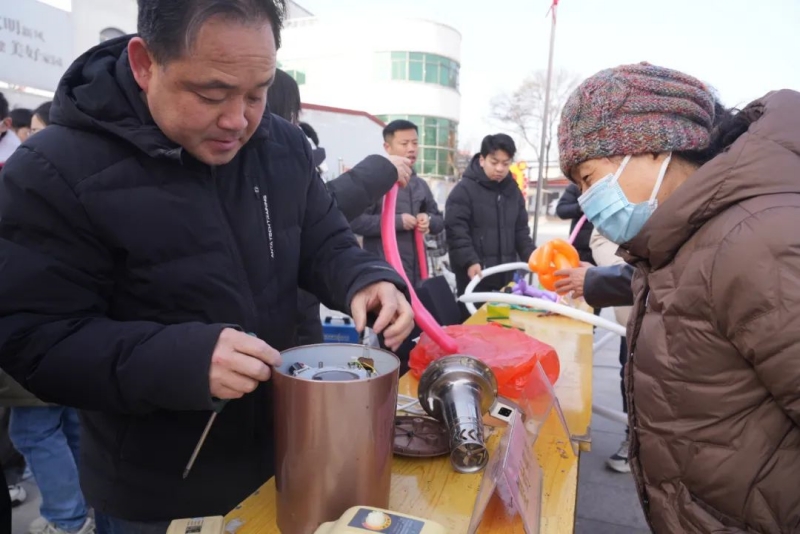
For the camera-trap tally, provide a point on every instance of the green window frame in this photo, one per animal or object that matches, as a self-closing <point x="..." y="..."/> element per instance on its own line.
<point x="418" y="67"/>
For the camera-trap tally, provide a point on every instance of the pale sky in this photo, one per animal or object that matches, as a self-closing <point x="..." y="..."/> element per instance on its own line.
<point x="743" y="48"/>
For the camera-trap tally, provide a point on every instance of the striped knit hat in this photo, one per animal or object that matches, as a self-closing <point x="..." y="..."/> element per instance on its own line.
<point x="634" y="109"/>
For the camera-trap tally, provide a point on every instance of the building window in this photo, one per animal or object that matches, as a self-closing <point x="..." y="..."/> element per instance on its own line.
<point x="299" y="77"/>
<point x="419" y="67"/>
<point x="110" y="33"/>
<point x="437" y="143"/>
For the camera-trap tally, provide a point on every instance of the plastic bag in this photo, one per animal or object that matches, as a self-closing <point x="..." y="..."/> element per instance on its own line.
<point x="511" y="354"/>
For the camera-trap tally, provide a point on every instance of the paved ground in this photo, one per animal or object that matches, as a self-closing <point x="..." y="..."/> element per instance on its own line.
<point x="607" y="502"/>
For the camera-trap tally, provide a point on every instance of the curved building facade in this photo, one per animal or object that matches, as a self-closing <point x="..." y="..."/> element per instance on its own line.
<point x="409" y="70"/>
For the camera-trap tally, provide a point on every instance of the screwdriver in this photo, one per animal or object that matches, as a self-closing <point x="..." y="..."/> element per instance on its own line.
<point x="218" y="405"/>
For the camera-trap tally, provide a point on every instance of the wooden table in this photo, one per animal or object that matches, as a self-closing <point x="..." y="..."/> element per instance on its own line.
<point x="430" y="488"/>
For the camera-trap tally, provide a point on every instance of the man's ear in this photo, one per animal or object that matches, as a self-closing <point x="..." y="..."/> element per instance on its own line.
<point x="5" y="124"/>
<point x="141" y="62"/>
<point x="386" y="147"/>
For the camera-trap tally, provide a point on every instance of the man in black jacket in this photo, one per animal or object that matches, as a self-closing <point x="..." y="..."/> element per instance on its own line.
<point x="159" y="219"/>
<point x="569" y="208"/>
<point x="416" y="207"/>
<point x="486" y="219"/>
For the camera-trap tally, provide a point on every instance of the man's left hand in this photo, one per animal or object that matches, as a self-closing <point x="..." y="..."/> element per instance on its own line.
<point x="395" y="317"/>
<point x="424" y="223"/>
<point x="573" y="281"/>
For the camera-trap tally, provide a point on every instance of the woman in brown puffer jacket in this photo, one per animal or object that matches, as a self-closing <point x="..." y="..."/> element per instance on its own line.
<point x="710" y="217"/>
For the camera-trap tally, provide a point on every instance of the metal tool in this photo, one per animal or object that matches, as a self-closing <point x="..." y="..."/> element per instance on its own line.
<point x="218" y="405"/>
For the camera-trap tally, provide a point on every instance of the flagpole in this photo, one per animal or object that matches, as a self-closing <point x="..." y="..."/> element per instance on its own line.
<point x="543" y="142"/>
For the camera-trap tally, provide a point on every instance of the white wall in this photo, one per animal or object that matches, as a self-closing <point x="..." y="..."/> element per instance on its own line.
<point x="93" y="16"/>
<point x="346" y="136"/>
<point x="343" y="69"/>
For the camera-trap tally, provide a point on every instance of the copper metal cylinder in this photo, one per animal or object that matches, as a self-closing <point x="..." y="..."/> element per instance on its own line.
<point x="333" y="437"/>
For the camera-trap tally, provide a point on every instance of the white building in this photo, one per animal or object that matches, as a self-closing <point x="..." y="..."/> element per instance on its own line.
<point x="409" y="70"/>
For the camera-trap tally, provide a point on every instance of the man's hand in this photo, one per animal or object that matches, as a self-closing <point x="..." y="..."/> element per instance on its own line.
<point x="573" y="281"/>
<point x="403" y="166"/>
<point x="474" y="270"/>
<point x="409" y="221"/>
<point x="239" y="362"/>
<point x="423" y="223"/>
<point x="395" y="318"/>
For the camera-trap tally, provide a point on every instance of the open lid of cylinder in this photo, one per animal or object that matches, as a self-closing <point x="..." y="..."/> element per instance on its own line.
<point x="337" y="362"/>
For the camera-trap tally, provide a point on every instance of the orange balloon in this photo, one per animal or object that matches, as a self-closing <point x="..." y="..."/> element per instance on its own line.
<point x="551" y="257"/>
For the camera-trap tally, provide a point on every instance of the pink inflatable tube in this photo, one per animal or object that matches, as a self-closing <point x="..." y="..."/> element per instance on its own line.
<point x="422" y="255"/>
<point x="423" y="318"/>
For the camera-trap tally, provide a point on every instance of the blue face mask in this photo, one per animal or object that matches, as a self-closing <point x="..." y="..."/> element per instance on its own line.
<point x="609" y="210"/>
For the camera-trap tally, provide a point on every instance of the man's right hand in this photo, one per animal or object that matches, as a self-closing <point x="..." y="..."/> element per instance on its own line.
<point x="403" y="166"/>
<point x="239" y="363"/>
<point x="409" y="221"/>
<point x="474" y="270"/>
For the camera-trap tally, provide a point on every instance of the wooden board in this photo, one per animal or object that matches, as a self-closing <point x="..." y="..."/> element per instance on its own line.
<point x="430" y="488"/>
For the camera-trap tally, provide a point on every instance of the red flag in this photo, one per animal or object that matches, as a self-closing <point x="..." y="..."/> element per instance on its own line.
<point x="552" y="10"/>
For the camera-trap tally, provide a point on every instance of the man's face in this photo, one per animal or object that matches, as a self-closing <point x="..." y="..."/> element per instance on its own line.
<point x="23" y="133"/>
<point x="404" y="143"/>
<point x="496" y="165"/>
<point x="211" y="100"/>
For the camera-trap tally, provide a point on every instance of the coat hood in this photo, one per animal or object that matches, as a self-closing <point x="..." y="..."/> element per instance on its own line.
<point x="475" y="173"/>
<point x="765" y="160"/>
<point x="98" y="93"/>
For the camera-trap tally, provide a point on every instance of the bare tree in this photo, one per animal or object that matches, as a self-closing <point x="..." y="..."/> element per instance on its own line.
<point x="523" y="109"/>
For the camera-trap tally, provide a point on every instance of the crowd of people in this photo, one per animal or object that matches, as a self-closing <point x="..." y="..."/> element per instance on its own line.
<point x="165" y="233"/>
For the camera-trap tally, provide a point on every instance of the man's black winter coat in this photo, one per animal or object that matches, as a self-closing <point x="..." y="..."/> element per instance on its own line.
<point x="568" y="207"/>
<point x="121" y="260"/>
<point x="486" y="223"/>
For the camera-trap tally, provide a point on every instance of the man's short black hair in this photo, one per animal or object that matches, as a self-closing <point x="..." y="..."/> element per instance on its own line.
<point x="169" y="27"/>
<point x="493" y="143"/>
<point x="43" y="112"/>
<point x="398" y="126"/>
<point x="20" y="118"/>
<point x="310" y="133"/>
<point x="3" y="107"/>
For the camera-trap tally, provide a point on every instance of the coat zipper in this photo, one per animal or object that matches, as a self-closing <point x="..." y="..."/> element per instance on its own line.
<point x="236" y="254"/>
<point x="264" y="201"/>
<point x="499" y="231"/>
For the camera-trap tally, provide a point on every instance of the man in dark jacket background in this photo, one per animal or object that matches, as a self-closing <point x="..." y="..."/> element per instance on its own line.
<point x="568" y="208"/>
<point x="416" y="208"/>
<point x="159" y="219"/>
<point x="486" y="219"/>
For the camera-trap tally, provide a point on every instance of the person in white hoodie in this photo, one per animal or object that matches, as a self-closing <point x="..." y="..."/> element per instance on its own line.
<point x="8" y="139"/>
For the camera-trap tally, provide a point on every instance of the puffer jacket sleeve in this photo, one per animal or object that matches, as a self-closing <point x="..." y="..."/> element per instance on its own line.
<point x="568" y="206"/>
<point x="606" y="287"/>
<point x="332" y="265"/>
<point x="457" y="216"/>
<point x="56" y="339"/>
<point x="363" y="185"/>
<point x="755" y="296"/>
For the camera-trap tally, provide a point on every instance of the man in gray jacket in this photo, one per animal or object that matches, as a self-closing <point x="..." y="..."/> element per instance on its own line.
<point x="416" y="208"/>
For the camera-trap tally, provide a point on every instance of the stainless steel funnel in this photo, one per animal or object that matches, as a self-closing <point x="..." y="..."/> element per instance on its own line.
<point x="458" y="390"/>
<point x="334" y="431"/>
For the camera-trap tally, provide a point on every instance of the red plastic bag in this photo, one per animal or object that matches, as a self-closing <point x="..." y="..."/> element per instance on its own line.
<point x="511" y="354"/>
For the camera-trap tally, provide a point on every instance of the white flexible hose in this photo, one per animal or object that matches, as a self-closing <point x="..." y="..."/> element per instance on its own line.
<point x="546" y="305"/>
<point x="519" y="266"/>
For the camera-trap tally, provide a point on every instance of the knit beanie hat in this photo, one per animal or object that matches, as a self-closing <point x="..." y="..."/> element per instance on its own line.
<point x="634" y="109"/>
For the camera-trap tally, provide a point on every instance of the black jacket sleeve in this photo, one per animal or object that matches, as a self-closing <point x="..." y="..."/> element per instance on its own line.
<point x="568" y="206"/>
<point x="56" y="338"/>
<point x="430" y="207"/>
<point x="457" y="217"/>
<point x="522" y="232"/>
<point x="609" y="286"/>
<point x="332" y="265"/>
<point x="363" y="185"/>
